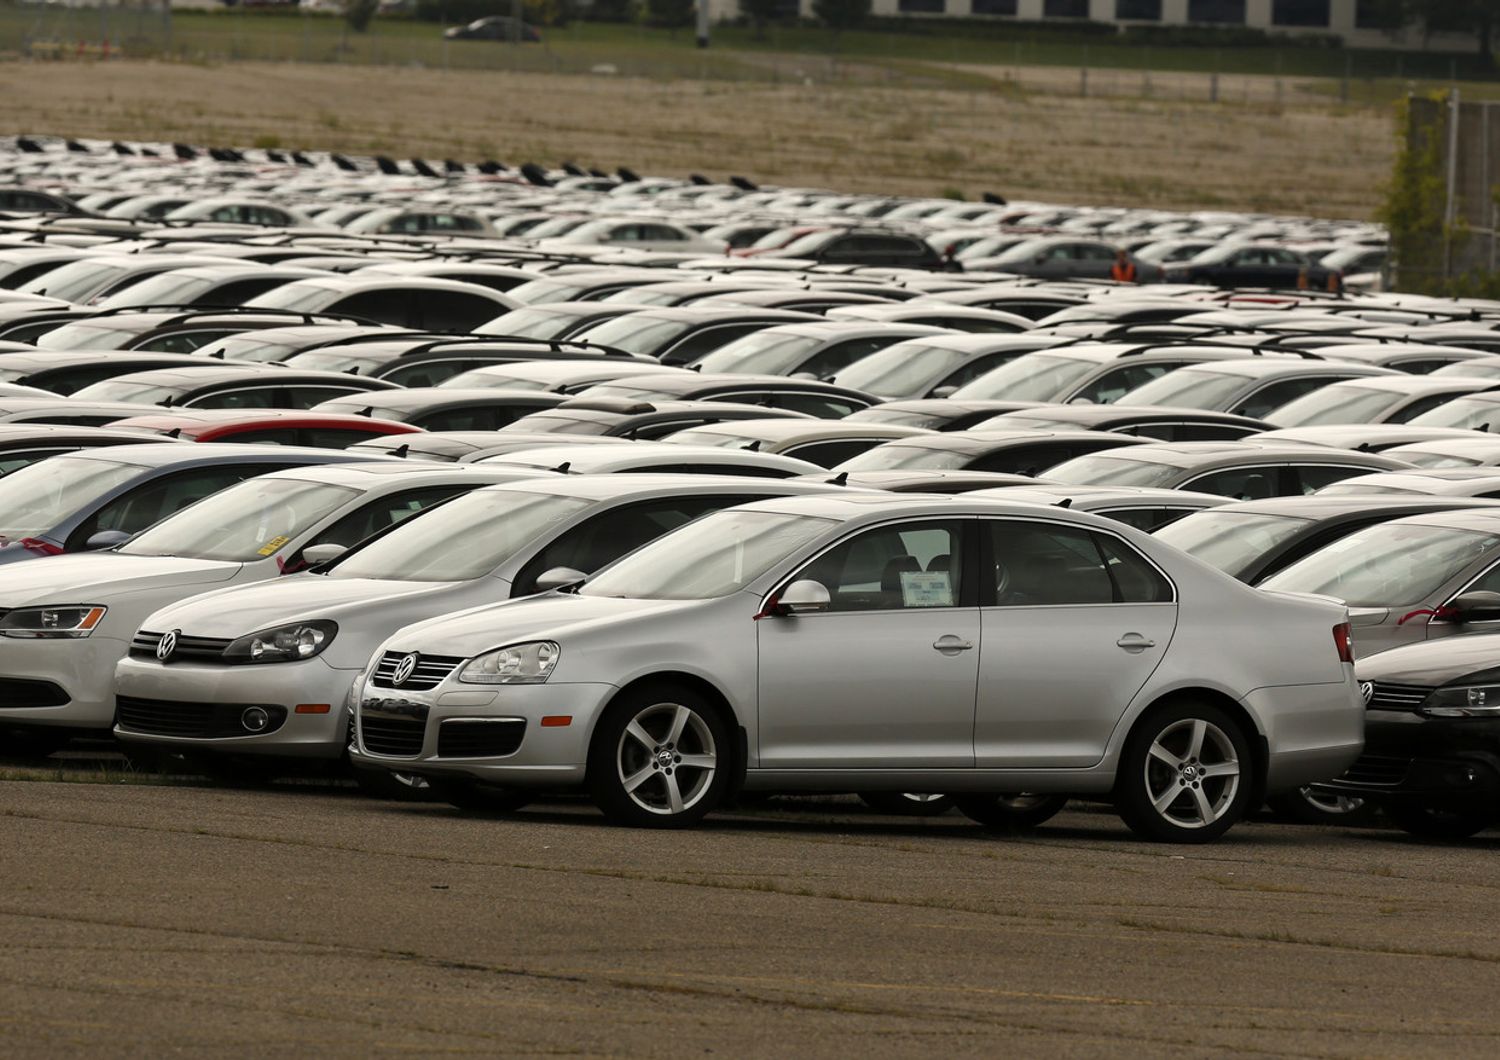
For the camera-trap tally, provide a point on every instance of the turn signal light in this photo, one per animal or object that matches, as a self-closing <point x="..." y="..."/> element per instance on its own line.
<point x="1343" y="640"/>
<point x="557" y="721"/>
<point x="312" y="708"/>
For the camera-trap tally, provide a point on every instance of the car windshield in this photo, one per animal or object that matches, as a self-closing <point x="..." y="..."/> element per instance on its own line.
<point x="1334" y="404"/>
<point x="300" y="297"/>
<point x="489" y="377"/>
<point x="84" y="336"/>
<point x="1103" y="470"/>
<point x="898" y="455"/>
<point x="1187" y="388"/>
<point x="245" y="523"/>
<point x="623" y="392"/>
<point x="1426" y="459"/>
<point x="1230" y="541"/>
<point x="1033" y="377"/>
<point x="169" y="288"/>
<point x="529" y="324"/>
<point x="1466" y="413"/>
<point x="38" y="498"/>
<point x="714" y="556"/>
<point x="1394" y="563"/>
<point x="715" y="436"/>
<point x="903" y="370"/>
<point x="75" y="282"/>
<point x="533" y="291"/>
<point x="635" y="333"/>
<point x="493" y="526"/>
<point x="760" y="351"/>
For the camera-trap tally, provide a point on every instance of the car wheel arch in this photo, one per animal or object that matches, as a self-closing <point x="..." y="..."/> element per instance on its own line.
<point x="1234" y="708"/>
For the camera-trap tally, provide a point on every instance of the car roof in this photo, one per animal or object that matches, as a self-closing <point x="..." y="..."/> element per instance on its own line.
<point x="434" y="397"/>
<point x="165" y="454"/>
<point x="14" y="434"/>
<point x="410" y="473"/>
<point x="1193" y="454"/>
<point x="1418" y="385"/>
<point x="977" y="441"/>
<point x="656" y="484"/>
<point x="1318" y="506"/>
<point x="1090" y="498"/>
<point x="609" y="457"/>
<point x="1261" y="368"/>
<point x="790" y="430"/>
<point x="845" y="506"/>
<point x="1094" y="414"/>
<point x="291" y="419"/>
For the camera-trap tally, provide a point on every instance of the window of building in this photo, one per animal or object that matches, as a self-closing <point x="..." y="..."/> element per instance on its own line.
<point x="1300" y="13"/>
<point x="922" y="7"/>
<point x="1066" y="9"/>
<point x="1232" y="11"/>
<point x="1139" y="10"/>
<point x="994" y="7"/>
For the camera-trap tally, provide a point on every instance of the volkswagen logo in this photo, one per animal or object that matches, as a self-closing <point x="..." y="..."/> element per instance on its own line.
<point x="404" y="669"/>
<point x="1366" y="691"/>
<point x="167" y="645"/>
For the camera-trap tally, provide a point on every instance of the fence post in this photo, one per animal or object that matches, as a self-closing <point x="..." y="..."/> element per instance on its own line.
<point x="1083" y="74"/>
<point x="1453" y="111"/>
<point x="1348" y="72"/>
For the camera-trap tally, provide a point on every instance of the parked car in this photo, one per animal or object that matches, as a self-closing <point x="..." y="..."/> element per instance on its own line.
<point x="268" y="426"/>
<point x="1242" y="470"/>
<point x="226" y="386"/>
<point x="636" y="419"/>
<point x="444" y="408"/>
<point x="1388" y="399"/>
<point x="62" y="658"/>
<point x="815" y="351"/>
<point x="824" y="400"/>
<point x="1253" y="386"/>
<point x="1254" y="265"/>
<point x="938" y="366"/>
<point x="409" y="302"/>
<point x="685" y="334"/>
<point x="822" y="442"/>
<point x="940" y="414"/>
<point x="22" y="445"/>
<point x="1146" y="508"/>
<point x="495" y="27"/>
<point x="658" y="457"/>
<point x="1163" y="424"/>
<point x="1017" y="452"/>
<point x="1083" y="606"/>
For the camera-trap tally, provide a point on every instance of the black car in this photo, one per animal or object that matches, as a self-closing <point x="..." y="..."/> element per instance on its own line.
<point x="1432" y="736"/>
<point x="886" y="248"/>
<point x="1255" y="265"/>
<point x="495" y="27"/>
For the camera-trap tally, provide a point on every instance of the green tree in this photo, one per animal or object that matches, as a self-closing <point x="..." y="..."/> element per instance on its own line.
<point x="839" y="15"/>
<point x="358" y="14"/>
<point x="761" y="13"/>
<point x="1479" y="17"/>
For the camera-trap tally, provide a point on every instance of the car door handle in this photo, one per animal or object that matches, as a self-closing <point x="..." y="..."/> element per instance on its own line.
<point x="951" y="645"/>
<point x="1135" y="642"/>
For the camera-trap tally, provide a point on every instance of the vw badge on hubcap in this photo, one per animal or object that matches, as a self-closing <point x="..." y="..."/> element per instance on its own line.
<point x="404" y="669"/>
<point x="167" y="645"/>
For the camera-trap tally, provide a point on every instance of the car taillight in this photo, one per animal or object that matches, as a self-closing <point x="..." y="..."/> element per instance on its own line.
<point x="1343" y="641"/>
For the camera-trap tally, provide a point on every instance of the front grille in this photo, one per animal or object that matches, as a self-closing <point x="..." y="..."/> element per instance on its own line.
<point x="428" y="673"/>
<point x="1397" y="697"/>
<point x="143" y="645"/>
<point x="162" y="717"/>
<point x="16" y="692"/>
<point x="1381" y="770"/>
<point x="397" y="734"/>
<point x="480" y="738"/>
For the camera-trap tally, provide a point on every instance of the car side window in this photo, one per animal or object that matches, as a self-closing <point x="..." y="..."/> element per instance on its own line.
<point x="706" y="340"/>
<point x="477" y="418"/>
<point x="454" y="311"/>
<point x="246" y="397"/>
<point x="154" y="501"/>
<point x="329" y="437"/>
<point x="1024" y="459"/>
<point x="827" y="454"/>
<point x="1146" y="520"/>
<point x="892" y="568"/>
<point x="1271" y="397"/>
<point x="823" y="406"/>
<point x="1114" y="385"/>
<point x="605" y="538"/>
<point x="1241" y="483"/>
<point x="839" y="356"/>
<point x="1313" y="477"/>
<point x="269" y="436"/>
<point x="385" y="512"/>
<point x="1041" y="564"/>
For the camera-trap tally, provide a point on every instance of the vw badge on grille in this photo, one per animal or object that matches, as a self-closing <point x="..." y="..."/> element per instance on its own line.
<point x="1366" y="691"/>
<point x="167" y="645"/>
<point x="404" y="669"/>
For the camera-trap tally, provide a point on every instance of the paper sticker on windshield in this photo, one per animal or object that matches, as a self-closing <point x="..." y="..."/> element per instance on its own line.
<point x="272" y="545"/>
<point x="926" y="589"/>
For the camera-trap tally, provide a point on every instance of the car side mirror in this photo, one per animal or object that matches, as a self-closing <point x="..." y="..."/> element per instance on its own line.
<point x="805" y="597"/>
<point x="314" y="555"/>
<point x="106" y="539"/>
<point x="560" y="578"/>
<point x="943" y="392"/>
<point x="1477" y="606"/>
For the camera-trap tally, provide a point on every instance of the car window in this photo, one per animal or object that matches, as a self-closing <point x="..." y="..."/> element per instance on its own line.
<point x="610" y="535"/>
<point x="269" y="436"/>
<point x="1043" y="564"/>
<point x="453" y="311"/>
<point x="17" y="459"/>
<point x="1313" y="477"/>
<point x="244" y="397"/>
<point x="154" y="501"/>
<point x="1241" y="483"/>
<point x="385" y="512"/>
<point x="330" y="437"/>
<point x="1024" y="459"/>
<point x="901" y="567"/>
<point x="827" y="454"/>
<point x="1272" y="396"/>
<point x="823" y="406"/>
<point x="1147" y="520"/>
<point x="705" y="341"/>
<point x="478" y="418"/>
<point x="1114" y="385"/>
<point x="839" y="356"/>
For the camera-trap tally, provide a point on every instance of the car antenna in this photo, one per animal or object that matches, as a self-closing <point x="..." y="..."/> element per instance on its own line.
<point x="562" y="469"/>
<point x="1483" y="428"/>
<point x="1362" y="447"/>
<point x="175" y="432"/>
<point x="753" y="447"/>
<point x="1066" y="502"/>
<point x="401" y="450"/>
<point x="841" y="479"/>
<point x="217" y="354"/>
<point x="367" y="411"/>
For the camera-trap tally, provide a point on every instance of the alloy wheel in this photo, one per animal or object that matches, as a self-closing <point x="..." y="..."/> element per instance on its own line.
<point x="666" y="758"/>
<point x="1192" y="773"/>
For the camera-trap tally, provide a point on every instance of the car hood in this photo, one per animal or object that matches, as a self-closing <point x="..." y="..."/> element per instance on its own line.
<point x="550" y="616"/>
<point x="238" y="611"/>
<point x="101" y="577"/>
<point x="1469" y="659"/>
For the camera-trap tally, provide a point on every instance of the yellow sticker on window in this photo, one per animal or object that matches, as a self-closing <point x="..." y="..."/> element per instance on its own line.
<point x="273" y="545"/>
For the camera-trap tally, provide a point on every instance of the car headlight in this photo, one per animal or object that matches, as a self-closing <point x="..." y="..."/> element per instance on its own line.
<point x="77" y="620"/>
<point x="301" y="640"/>
<point x="1463" y="701"/>
<point x="519" y="664"/>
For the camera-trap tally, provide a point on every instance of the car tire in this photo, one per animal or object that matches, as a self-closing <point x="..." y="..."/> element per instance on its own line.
<point x="1010" y="813"/>
<point x="1161" y="788"/>
<point x="402" y="787"/>
<point x="907" y="803"/>
<point x="1427" y="822"/>
<point x="1317" y="807"/>
<point x="480" y="798"/>
<point x="661" y="757"/>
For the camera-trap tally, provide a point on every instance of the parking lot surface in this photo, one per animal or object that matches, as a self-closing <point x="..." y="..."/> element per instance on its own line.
<point x="313" y="920"/>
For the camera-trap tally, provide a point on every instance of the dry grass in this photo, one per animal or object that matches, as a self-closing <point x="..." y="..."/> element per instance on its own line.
<point x="1299" y="157"/>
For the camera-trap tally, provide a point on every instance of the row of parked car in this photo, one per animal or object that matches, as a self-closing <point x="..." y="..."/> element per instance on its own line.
<point x="487" y="518"/>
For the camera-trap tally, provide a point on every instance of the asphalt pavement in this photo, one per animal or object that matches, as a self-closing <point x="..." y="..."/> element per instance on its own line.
<point x="140" y="919"/>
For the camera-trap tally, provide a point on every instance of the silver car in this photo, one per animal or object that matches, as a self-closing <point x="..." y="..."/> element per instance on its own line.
<point x="862" y="642"/>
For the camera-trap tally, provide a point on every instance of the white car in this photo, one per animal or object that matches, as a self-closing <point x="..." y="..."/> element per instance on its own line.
<point x="646" y="233"/>
<point x="858" y="642"/>
<point x="66" y="622"/>
<point x="494" y="544"/>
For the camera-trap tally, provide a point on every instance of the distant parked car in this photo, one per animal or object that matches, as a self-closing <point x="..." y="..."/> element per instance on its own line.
<point x="495" y="27"/>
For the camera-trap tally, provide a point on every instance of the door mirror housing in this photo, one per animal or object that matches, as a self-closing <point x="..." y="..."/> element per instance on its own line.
<point x="314" y="555"/>
<point x="943" y="392"/>
<point x="106" y="539"/>
<point x="560" y="578"/>
<point x="805" y="597"/>
<point x="1476" y="606"/>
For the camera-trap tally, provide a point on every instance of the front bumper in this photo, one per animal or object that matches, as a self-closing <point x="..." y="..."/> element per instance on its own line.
<point x="161" y="703"/>
<point x="1433" y="761"/>
<point x="552" y="755"/>
<point x="65" y="683"/>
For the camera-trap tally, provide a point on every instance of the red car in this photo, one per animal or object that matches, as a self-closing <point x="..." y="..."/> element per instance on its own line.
<point x="276" y="426"/>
